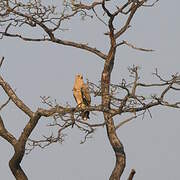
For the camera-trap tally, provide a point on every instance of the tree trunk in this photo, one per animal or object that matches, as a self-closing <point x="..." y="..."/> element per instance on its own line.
<point x="117" y="147"/>
<point x="111" y="131"/>
<point x="17" y="171"/>
<point x="14" y="164"/>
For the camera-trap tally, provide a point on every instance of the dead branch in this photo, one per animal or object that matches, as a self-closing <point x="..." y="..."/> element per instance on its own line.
<point x="12" y="95"/>
<point x="1" y="62"/>
<point x="5" y="134"/>
<point x="125" y="121"/>
<point x="46" y="18"/>
<point x="80" y="5"/>
<point x="134" y="47"/>
<point x="151" y="5"/>
<point x="131" y="175"/>
<point x="133" y="8"/>
<point x="3" y="105"/>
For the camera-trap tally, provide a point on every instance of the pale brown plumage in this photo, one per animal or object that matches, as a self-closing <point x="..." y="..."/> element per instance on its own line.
<point x="82" y="95"/>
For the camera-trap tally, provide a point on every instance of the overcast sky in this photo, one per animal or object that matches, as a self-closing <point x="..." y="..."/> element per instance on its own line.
<point x="35" y="69"/>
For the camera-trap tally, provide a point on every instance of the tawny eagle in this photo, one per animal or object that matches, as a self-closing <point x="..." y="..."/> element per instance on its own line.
<point x="82" y="95"/>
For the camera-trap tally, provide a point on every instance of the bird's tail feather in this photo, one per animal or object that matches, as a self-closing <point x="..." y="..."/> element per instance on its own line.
<point x="85" y="115"/>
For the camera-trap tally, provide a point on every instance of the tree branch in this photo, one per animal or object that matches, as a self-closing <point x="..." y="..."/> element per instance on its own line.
<point x="80" y="46"/>
<point x="134" y="47"/>
<point x="80" y="5"/>
<point x="6" y="135"/>
<point x="131" y="175"/>
<point x="125" y="121"/>
<point x="30" y="18"/>
<point x="3" y="105"/>
<point x="133" y="8"/>
<point x="1" y="62"/>
<point x="12" y="95"/>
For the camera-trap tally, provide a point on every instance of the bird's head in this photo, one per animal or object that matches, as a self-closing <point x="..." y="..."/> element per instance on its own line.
<point x="79" y="76"/>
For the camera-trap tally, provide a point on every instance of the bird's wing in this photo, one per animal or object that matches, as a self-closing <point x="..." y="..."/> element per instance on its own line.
<point x="77" y="90"/>
<point x="78" y="96"/>
<point x="75" y="97"/>
<point x="86" y="94"/>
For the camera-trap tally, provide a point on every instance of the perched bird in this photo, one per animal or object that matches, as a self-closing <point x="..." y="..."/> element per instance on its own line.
<point x="82" y="95"/>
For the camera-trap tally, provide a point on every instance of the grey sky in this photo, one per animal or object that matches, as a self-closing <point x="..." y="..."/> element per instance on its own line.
<point x="152" y="145"/>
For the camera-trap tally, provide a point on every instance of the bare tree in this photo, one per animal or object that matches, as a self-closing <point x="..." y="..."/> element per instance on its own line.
<point x="17" y="15"/>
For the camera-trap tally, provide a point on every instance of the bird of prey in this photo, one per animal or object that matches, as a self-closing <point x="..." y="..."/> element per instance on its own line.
<point x="82" y="95"/>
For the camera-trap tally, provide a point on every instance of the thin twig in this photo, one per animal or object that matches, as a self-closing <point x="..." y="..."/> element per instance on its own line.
<point x="1" y="62"/>
<point x="134" y="47"/>
<point x="3" y="105"/>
